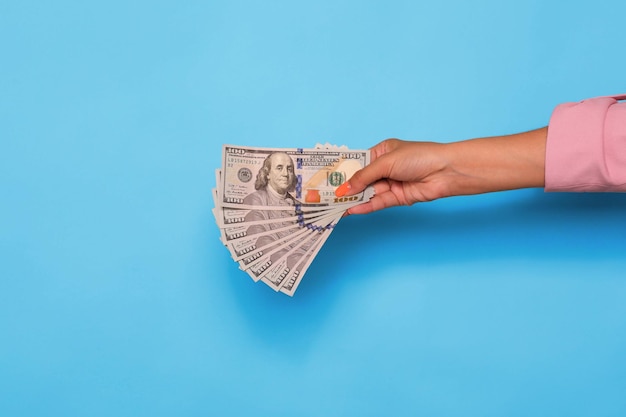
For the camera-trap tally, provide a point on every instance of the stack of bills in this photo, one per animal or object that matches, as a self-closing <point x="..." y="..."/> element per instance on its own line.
<point x="276" y="207"/>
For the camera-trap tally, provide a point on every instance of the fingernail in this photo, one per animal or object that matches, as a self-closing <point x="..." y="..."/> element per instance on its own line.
<point x="342" y="189"/>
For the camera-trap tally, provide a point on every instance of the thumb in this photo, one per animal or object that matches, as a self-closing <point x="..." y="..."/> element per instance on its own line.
<point x="363" y="177"/>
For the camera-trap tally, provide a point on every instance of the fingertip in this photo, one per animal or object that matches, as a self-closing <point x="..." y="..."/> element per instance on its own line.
<point x="359" y="209"/>
<point x="343" y="189"/>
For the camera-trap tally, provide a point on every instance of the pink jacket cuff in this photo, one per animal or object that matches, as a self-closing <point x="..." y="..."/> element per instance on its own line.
<point x="586" y="146"/>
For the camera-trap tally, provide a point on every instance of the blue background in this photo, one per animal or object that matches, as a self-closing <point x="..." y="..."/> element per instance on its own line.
<point x="117" y="298"/>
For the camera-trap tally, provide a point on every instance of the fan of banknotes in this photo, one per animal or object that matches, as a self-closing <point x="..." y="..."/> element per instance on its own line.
<point x="276" y="207"/>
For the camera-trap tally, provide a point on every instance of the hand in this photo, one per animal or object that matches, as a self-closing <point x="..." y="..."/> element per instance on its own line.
<point x="404" y="173"/>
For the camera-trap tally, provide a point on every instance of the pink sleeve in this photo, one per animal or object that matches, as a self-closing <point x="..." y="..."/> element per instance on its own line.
<point x="586" y="147"/>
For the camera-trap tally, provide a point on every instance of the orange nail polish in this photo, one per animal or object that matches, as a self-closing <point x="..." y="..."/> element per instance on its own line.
<point x="342" y="189"/>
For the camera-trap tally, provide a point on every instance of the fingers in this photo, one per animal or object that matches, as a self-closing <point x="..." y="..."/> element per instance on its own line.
<point x="378" y="202"/>
<point x="343" y="189"/>
<point x="382" y="148"/>
<point x="376" y="170"/>
<point x="373" y="172"/>
<point x="383" y="198"/>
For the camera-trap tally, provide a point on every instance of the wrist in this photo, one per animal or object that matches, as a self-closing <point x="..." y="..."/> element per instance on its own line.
<point x="497" y="163"/>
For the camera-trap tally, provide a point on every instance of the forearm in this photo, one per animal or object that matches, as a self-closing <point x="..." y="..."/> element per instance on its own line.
<point x="405" y="172"/>
<point x="496" y="163"/>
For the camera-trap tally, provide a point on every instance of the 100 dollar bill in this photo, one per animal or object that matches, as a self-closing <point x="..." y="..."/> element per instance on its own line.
<point x="279" y="177"/>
